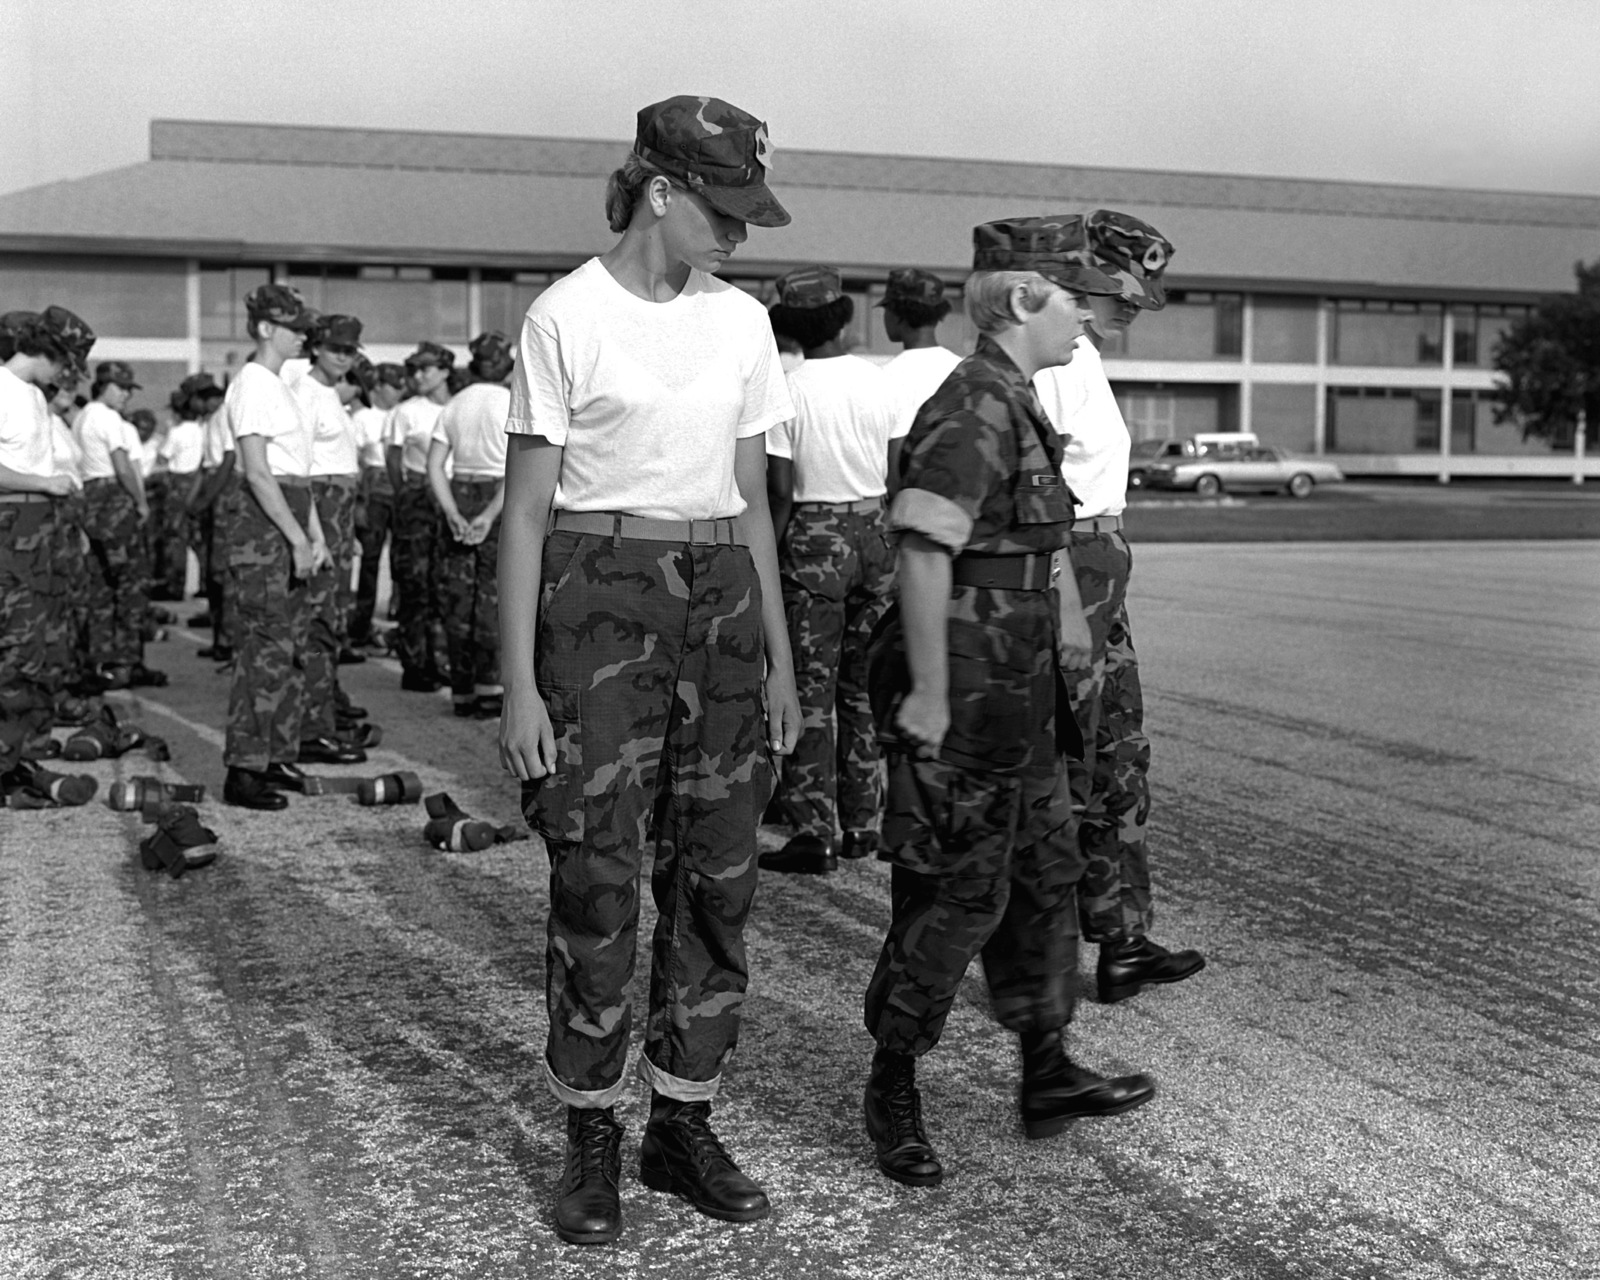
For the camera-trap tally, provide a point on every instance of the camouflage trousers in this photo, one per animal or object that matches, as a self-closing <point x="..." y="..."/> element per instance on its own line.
<point x="69" y="659"/>
<point x="469" y="595"/>
<point x="374" y="522"/>
<point x="212" y="539"/>
<point x="985" y="864"/>
<point x="117" y="601"/>
<point x="27" y="593"/>
<point x="416" y="522"/>
<point x="336" y="509"/>
<point x="651" y="662"/>
<point x="1110" y="784"/>
<point x="171" y="533"/>
<point x="837" y="569"/>
<point x="272" y="622"/>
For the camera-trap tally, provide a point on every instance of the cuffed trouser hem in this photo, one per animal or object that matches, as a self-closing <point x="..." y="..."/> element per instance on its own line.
<point x="588" y="1099"/>
<point x="675" y="1087"/>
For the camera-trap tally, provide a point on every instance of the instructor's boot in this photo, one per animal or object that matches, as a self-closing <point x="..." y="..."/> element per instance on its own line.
<point x="1056" y="1090"/>
<point x="894" y="1121"/>
<point x="1127" y="965"/>
<point x="682" y="1155"/>
<point x="588" y="1208"/>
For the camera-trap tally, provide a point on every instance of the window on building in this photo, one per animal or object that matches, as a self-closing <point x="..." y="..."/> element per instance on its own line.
<point x="223" y="290"/>
<point x="1283" y="330"/>
<point x="116" y="297"/>
<point x="507" y="295"/>
<point x="394" y="304"/>
<point x="1383" y="420"/>
<point x="1284" y="414"/>
<point x="1479" y="328"/>
<point x="1195" y="325"/>
<point x="1379" y="331"/>
<point x="1474" y="430"/>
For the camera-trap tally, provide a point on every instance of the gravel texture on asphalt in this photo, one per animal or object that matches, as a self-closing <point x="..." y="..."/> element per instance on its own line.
<point x="1376" y="809"/>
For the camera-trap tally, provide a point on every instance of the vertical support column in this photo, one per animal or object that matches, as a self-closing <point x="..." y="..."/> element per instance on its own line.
<point x="192" y="302"/>
<point x="474" y="302"/>
<point x="1447" y="358"/>
<point x="1320" y="421"/>
<point x="1247" y="337"/>
<point x="1580" y="446"/>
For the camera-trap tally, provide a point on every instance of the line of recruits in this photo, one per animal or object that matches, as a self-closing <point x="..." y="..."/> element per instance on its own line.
<point x="907" y="584"/>
<point x="273" y="480"/>
<point x="300" y="483"/>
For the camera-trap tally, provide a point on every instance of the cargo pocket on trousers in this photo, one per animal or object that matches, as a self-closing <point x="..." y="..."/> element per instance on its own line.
<point x="555" y="804"/>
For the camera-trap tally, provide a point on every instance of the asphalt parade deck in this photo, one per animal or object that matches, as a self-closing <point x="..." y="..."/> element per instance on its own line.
<point x="1377" y="809"/>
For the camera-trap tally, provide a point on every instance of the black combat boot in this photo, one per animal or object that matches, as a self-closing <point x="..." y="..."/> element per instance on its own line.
<point x="588" y="1209"/>
<point x="680" y="1154"/>
<point x="1129" y="964"/>
<point x="894" y="1121"/>
<point x="1056" y="1090"/>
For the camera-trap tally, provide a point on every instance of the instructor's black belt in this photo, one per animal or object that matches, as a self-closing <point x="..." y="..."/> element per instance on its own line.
<point x="614" y="524"/>
<point x="1033" y="572"/>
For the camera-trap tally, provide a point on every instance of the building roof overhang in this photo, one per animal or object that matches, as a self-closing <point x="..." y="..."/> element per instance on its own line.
<point x="224" y="192"/>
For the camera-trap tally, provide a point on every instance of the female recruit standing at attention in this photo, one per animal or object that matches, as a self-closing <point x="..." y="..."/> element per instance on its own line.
<point x="275" y="546"/>
<point x="639" y="640"/>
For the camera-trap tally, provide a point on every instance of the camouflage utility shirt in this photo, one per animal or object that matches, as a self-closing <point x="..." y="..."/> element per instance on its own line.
<point x="980" y="475"/>
<point x="980" y="471"/>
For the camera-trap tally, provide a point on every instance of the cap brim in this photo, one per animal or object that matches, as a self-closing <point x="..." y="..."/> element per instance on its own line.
<point x="755" y="205"/>
<point x="1145" y="292"/>
<point x="1081" y="279"/>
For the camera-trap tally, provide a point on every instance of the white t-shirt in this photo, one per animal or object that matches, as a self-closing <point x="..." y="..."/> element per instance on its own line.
<point x="1078" y="401"/>
<point x="101" y="432"/>
<point x="259" y="403"/>
<point x="182" y="449"/>
<point x="649" y="399"/>
<point x="68" y="456"/>
<point x="839" y="436"/>
<point x="411" y="428"/>
<point x="216" y="438"/>
<point x="334" y="451"/>
<point x="473" y="424"/>
<point x="372" y="434"/>
<point x="25" y="437"/>
<point x="914" y="375"/>
<point x="149" y="455"/>
<point x="294" y="368"/>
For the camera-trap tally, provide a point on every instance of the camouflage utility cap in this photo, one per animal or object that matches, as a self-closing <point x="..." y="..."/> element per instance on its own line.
<point x="336" y="331"/>
<point x="911" y="284"/>
<point x="491" y="347"/>
<point x="431" y="353"/>
<point x="389" y="374"/>
<point x="72" y="332"/>
<point x="807" y="288"/>
<point x="281" y="305"/>
<point x="199" y="384"/>
<point x="1134" y="252"/>
<point x="116" y="372"/>
<point x="721" y="153"/>
<point x="1056" y="246"/>
<point x="144" y="419"/>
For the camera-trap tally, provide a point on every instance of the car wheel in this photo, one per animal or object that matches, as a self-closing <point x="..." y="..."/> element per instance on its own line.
<point x="1135" y="479"/>
<point x="1207" y="486"/>
<point x="1301" y="485"/>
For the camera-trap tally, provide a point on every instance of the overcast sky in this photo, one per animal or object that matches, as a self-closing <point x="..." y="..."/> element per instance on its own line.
<point x="1476" y="93"/>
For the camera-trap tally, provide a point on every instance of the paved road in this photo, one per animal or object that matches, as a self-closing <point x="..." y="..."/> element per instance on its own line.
<point x="1377" y="809"/>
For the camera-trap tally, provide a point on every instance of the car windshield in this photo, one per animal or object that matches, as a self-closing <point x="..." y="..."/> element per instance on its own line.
<point x="1151" y="448"/>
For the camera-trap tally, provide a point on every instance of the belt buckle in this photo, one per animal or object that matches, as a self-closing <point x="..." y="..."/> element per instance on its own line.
<point x="698" y="531"/>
